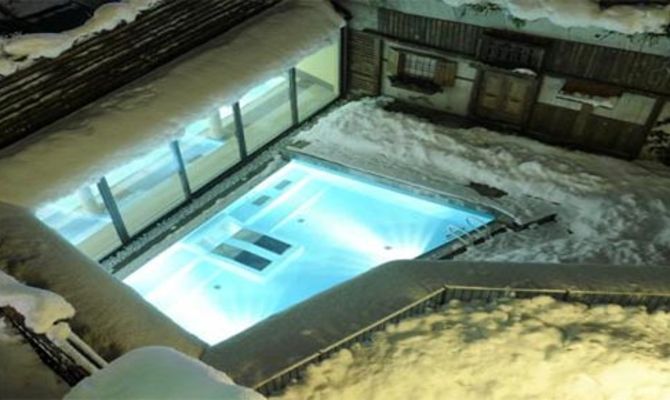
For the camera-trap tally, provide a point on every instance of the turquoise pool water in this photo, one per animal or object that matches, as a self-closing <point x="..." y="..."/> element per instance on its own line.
<point x="301" y="231"/>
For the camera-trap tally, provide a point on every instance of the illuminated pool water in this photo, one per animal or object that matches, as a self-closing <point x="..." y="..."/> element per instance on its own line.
<point x="299" y="232"/>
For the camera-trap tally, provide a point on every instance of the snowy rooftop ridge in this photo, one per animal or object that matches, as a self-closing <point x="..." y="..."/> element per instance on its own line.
<point x="626" y="19"/>
<point x="20" y="51"/>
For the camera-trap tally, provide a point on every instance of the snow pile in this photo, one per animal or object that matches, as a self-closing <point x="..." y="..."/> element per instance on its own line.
<point x="40" y="308"/>
<point x="22" y="374"/>
<point x="611" y="211"/>
<point x="513" y="349"/>
<point x="595" y="101"/>
<point x="21" y="368"/>
<point x="159" y="373"/>
<point x="86" y="145"/>
<point x="19" y="51"/>
<point x="625" y="19"/>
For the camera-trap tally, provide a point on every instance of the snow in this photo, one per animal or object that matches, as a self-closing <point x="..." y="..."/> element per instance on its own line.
<point x="609" y="210"/>
<point x="86" y="145"/>
<point x="19" y="51"/>
<point x="111" y="317"/>
<point x="510" y="349"/>
<point x="159" y="373"/>
<point x="595" y="101"/>
<point x="626" y="19"/>
<point x="40" y="308"/>
<point x="22" y="374"/>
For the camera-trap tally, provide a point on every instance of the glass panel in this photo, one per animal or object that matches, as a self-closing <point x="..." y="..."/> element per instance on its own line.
<point x="266" y="112"/>
<point x="82" y="219"/>
<point x="318" y="80"/>
<point x="209" y="147"/>
<point x="146" y="188"/>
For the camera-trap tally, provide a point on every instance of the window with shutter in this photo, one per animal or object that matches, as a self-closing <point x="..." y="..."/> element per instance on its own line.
<point x="420" y="72"/>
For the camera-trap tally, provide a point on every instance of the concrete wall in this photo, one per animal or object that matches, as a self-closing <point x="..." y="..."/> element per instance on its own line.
<point x="323" y="65"/>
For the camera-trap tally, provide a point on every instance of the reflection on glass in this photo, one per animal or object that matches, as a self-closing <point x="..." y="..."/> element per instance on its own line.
<point x="318" y="80"/>
<point x="82" y="219"/>
<point x="209" y="147"/>
<point x="146" y="188"/>
<point x="266" y="112"/>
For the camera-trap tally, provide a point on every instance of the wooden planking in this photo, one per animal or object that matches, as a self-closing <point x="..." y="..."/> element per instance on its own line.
<point x="639" y="71"/>
<point x="364" y="63"/>
<point x="52" y="88"/>
<point x="447" y="35"/>
<point x="554" y="122"/>
<point x="618" y="138"/>
<point x="601" y="134"/>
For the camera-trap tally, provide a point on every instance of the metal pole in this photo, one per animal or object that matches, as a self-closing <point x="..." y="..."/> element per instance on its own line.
<point x="239" y="131"/>
<point x="176" y="151"/>
<point x="293" y="95"/>
<point x="113" y="210"/>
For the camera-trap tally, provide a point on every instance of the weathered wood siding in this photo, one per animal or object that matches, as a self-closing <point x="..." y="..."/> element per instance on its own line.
<point x="601" y="134"/>
<point x="640" y="71"/>
<point x="364" y="67"/>
<point x="632" y="71"/>
<point x="441" y="34"/>
<point x="624" y="68"/>
<point x="52" y="88"/>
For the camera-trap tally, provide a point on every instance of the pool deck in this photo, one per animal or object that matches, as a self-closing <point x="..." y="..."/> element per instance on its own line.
<point x="276" y="351"/>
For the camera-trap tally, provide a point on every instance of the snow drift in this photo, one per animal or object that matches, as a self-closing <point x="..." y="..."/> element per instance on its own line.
<point x="19" y="51"/>
<point x="513" y="349"/>
<point x="159" y="373"/>
<point x="626" y="19"/>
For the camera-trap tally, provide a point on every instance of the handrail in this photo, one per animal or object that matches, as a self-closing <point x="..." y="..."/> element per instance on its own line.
<point x="71" y="359"/>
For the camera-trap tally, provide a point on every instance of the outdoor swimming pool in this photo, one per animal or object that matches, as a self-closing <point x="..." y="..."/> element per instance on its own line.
<point x="302" y="230"/>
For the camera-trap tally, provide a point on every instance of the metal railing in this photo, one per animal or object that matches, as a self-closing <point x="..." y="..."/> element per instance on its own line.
<point x="71" y="359"/>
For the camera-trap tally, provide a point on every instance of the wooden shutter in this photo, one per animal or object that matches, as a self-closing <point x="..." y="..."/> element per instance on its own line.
<point x="400" y="66"/>
<point x="445" y="73"/>
<point x="393" y="61"/>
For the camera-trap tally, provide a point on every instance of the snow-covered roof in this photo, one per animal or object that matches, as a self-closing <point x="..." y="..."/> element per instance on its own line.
<point x="19" y="51"/>
<point x="627" y="19"/>
<point x="152" y="111"/>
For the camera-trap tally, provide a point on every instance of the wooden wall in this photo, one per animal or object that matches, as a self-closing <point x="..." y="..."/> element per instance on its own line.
<point x="52" y="88"/>
<point x="631" y="71"/>
<point x="628" y="69"/>
<point x="364" y="58"/>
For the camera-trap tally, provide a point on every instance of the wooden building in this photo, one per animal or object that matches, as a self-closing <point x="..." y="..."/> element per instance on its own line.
<point x="592" y="97"/>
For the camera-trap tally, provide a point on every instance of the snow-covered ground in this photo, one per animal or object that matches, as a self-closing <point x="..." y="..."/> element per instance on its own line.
<point x="513" y="349"/>
<point x="626" y="19"/>
<point x="610" y="210"/>
<point x="159" y="373"/>
<point x="19" y="51"/>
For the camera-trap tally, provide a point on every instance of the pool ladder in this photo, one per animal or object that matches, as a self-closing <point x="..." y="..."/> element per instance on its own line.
<point x="477" y="227"/>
